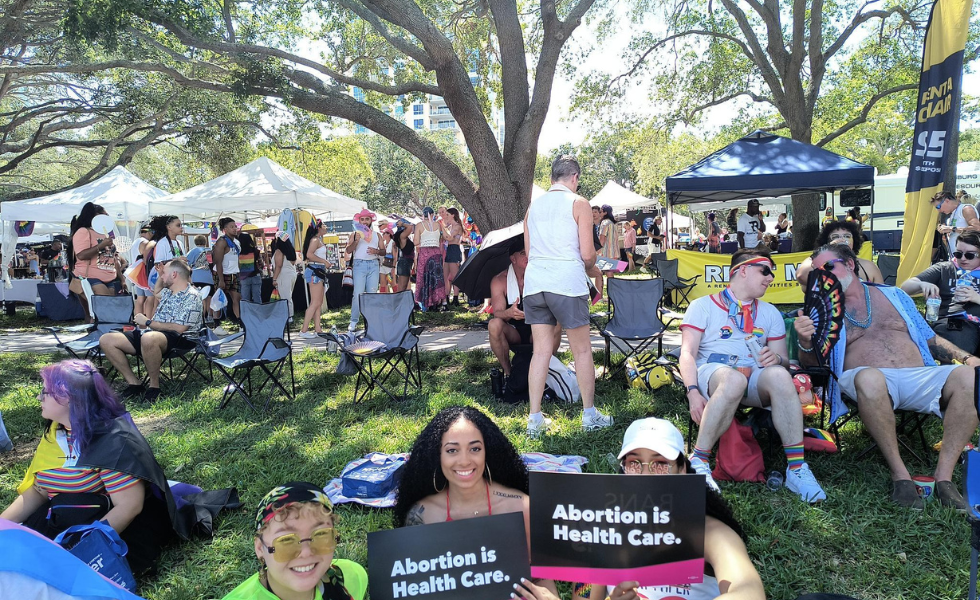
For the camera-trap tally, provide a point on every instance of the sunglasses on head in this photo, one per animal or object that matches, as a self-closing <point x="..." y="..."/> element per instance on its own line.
<point x="288" y="547"/>
<point x="967" y="255"/>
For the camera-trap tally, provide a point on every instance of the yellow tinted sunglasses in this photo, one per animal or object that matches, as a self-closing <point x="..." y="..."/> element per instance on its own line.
<point x="288" y="547"/>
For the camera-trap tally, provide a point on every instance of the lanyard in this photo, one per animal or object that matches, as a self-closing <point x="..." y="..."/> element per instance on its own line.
<point x="736" y="308"/>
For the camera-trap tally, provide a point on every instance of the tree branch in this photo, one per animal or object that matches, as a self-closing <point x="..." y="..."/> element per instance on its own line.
<point x="513" y="63"/>
<point x="863" y="115"/>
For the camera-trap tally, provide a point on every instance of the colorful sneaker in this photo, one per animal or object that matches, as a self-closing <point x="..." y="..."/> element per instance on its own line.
<point x="596" y="421"/>
<point x="702" y="468"/>
<point x="802" y="482"/>
<point x="536" y="429"/>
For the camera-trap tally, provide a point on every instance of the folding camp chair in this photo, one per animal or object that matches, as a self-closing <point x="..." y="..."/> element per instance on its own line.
<point x="673" y="281"/>
<point x="266" y="346"/>
<point x="888" y="265"/>
<point x="111" y="313"/>
<point x="657" y="256"/>
<point x="971" y="492"/>
<point x="636" y="320"/>
<point x="908" y="425"/>
<point x="186" y="358"/>
<point x="387" y="320"/>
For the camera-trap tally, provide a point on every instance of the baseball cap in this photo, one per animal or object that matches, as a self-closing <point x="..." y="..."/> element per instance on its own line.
<point x="653" y="434"/>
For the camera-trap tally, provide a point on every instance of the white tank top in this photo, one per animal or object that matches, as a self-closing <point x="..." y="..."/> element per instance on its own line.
<point x="321" y="253"/>
<point x="361" y="250"/>
<point x="956" y="219"/>
<point x="229" y="262"/>
<point x="554" y="263"/>
<point x="430" y="239"/>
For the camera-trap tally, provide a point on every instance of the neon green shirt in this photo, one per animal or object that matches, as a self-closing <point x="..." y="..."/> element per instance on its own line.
<point x="355" y="582"/>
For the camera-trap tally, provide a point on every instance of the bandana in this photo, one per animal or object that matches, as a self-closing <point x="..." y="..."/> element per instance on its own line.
<point x="286" y="494"/>
<point x="754" y="261"/>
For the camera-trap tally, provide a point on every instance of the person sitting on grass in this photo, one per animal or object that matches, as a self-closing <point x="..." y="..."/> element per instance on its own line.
<point x="178" y="312"/>
<point x="885" y="359"/>
<point x="655" y="447"/>
<point x="92" y="464"/>
<point x="461" y="467"/>
<point x="720" y="371"/>
<point x="295" y="539"/>
<point x="507" y="327"/>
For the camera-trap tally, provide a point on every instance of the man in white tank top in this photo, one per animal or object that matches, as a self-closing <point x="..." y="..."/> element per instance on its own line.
<point x="558" y="241"/>
<point x="962" y="217"/>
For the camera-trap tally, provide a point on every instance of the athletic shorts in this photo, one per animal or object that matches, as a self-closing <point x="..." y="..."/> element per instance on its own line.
<point x="404" y="266"/>
<point x="232" y="283"/>
<point x="706" y="370"/>
<point x="545" y="308"/>
<point x="174" y="340"/>
<point x="454" y="254"/>
<point x="917" y="389"/>
<point x="523" y="329"/>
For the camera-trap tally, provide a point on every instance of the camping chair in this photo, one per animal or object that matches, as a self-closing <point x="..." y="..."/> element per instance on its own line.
<point x="387" y="319"/>
<point x="56" y="306"/>
<point x="636" y="320"/>
<point x="673" y="281"/>
<point x="657" y="256"/>
<point x="971" y="492"/>
<point x="186" y="358"/>
<point x="111" y="313"/>
<point x="264" y="347"/>
<point x="888" y="265"/>
<point x="908" y="424"/>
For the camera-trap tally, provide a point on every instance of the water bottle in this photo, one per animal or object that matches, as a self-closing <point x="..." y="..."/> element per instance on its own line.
<point x="332" y="343"/>
<point x="774" y="481"/>
<point x="497" y="383"/>
<point x="965" y="280"/>
<point x="932" y="309"/>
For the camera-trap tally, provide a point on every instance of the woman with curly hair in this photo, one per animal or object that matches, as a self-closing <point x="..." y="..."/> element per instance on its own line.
<point x="843" y="232"/>
<point x="163" y="247"/>
<point x="295" y="539"/>
<point x="655" y="447"/>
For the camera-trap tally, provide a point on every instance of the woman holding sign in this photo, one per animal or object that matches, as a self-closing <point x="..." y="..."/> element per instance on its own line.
<point x="655" y="447"/>
<point x="295" y="541"/>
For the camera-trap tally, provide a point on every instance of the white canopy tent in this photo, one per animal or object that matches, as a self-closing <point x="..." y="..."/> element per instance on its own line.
<point x="622" y="199"/>
<point x="262" y="188"/>
<point x="124" y="196"/>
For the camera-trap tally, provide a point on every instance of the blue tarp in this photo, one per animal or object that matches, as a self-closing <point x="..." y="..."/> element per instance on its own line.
<point x="763" y="165"/>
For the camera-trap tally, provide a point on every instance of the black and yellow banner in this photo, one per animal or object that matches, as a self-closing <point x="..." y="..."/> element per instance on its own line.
<point x="940" y="90"/>
<point x="713" y="270"/>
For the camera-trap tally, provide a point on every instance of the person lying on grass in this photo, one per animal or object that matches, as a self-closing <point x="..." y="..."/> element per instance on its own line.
<point x="92" y="464"/>
<point x="461" y="467"/>
<point x="295" y="539"/>
<point x="655" y="447"/>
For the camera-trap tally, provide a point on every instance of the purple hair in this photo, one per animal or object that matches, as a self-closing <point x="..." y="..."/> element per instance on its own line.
<point x="90" y="400"/>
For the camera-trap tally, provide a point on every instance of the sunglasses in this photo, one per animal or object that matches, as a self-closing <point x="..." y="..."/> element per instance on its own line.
<point x="829" y="265"/>
<point x="635" y="467"/>
<point x="841" y="236"/>
<point x="939" y="205"/>
<point x="966" y="255"/>
<point x="766" y="270"/>
<point x="288" y="547"/>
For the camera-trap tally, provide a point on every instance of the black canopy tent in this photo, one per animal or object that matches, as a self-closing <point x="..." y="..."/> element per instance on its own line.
<point x="764" y="165"/>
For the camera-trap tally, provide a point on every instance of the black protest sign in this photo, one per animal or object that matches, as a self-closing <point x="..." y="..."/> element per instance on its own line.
<point x="612" y="528"/>
<point x="477" y="559"/>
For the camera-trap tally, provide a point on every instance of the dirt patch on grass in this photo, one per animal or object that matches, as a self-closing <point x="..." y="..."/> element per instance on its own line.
<point x="154" y="425"/>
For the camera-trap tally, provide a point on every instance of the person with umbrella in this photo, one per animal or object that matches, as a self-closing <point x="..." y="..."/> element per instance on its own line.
<point x="507" y="327"/>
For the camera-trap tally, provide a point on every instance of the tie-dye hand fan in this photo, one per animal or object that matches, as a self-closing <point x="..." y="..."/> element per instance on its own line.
<point x="825" y="306"/>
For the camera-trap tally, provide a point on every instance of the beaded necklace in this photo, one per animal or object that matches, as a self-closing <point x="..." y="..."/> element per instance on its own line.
<point x="867" y="321"/>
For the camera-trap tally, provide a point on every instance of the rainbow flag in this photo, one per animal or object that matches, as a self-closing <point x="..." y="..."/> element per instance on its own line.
<point x="24" y="228"/>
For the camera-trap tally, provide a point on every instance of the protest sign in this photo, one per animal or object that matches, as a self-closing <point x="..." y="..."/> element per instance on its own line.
<point x="612" y="528"/>
<point x="477" y="559"/>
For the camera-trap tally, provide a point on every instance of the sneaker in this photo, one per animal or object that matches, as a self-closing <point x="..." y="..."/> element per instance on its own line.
<point x="151" y="395"/>
<point x="536" y="428"/>
<point x="644" y="269"/>
<point x="701" y="468"/>
<point x="351" y="328"/>
<point x="596" y="421"/>
<point x="802" y="482"/>
<point x="132" y="391"/>
<point x="949" y="496"/>
<point x="306" y="335"/>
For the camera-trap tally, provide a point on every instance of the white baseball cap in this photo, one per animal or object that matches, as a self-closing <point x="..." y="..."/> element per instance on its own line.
<point x="653" y="434"/>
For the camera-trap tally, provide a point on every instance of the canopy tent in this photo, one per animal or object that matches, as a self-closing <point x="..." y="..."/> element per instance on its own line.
<point x="261" y="188"/>
<point x="621" y="199"/>
<point x="763" y="165"/>
<point x="124" y="196"/>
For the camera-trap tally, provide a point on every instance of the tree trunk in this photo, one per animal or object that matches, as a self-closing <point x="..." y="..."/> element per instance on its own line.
<point x="806" y="221"/>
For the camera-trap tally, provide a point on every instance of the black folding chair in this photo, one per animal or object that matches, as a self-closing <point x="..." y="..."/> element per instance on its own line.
<point x="674" y="282"/>
<point x="657" y="256"/>
<point x="636" y="321"/>
<point x="908" y="425"/>
<point x="888" y="265"/>
<point x="387" y="320"/>
<point x="111" y="313"/>
<point x="186" y="358"/>
<point x="266" y="347"/>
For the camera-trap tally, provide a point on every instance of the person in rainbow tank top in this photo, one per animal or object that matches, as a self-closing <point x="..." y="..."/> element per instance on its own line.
<point x="733" y="351"/>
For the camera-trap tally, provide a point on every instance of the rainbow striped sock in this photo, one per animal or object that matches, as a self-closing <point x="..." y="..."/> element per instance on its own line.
<point x="704" y="455"/>
<point x="794" y="456"/>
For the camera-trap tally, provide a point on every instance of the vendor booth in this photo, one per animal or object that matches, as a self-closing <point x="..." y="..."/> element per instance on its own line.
<point x="761" y="165"/>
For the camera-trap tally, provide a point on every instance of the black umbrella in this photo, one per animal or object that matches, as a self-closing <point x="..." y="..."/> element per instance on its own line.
<point x="493" y="257"/>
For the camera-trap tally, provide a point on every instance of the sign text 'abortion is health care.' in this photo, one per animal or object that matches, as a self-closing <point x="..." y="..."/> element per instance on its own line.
<point x="612" y="528"/>
<point x="476" y="559"/>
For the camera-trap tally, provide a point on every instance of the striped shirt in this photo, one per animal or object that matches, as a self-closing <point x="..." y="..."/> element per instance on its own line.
<point x="69" y="479"/>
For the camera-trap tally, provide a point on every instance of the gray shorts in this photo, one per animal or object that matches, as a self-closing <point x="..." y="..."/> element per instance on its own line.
<point x="706" y="370"/>
<point x="545" y="308"/>
<point x="917" y="389"/>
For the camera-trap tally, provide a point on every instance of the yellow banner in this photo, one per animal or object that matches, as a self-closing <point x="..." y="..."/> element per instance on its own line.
<point x="713" y="271"/>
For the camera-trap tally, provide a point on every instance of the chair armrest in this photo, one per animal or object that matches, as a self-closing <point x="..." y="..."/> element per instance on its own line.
<point x="226" y="339"/>
<point x="416" y="330"/>
<point x="277" y="343"/>
<point x="87" y="327"/>
<point x="688" y="281"/>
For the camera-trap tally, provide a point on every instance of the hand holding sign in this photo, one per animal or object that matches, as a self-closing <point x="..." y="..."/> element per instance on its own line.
<point x="103" y="224"/>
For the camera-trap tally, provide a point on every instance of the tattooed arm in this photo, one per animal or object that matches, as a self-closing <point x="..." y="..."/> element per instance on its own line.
<point x="414" y="516"/>
<point x="946" y="352"/>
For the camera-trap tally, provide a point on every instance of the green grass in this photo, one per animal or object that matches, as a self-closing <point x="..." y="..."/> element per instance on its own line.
<point x="856" y="542"/>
